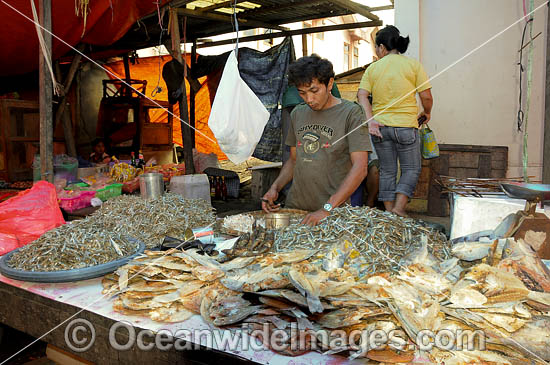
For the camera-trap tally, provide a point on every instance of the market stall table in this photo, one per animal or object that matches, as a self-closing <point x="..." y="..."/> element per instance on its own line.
<point x="48" y="310"/>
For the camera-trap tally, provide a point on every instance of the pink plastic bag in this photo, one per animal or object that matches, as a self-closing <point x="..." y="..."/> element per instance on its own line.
<point x="28" y="215"/>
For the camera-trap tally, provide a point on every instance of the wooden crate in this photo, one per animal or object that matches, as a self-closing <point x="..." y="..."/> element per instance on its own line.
<point x="461" y="161"/>
<point x="263" y="177"/>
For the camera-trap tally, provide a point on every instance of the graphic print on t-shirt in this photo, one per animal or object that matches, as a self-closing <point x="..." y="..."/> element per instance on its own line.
<point x="311" y="143"/>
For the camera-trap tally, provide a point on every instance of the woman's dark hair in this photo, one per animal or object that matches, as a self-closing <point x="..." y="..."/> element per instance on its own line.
<point x="391" y="39"/>
<point x="97" y="141"/>
<point x="305" y="69"/>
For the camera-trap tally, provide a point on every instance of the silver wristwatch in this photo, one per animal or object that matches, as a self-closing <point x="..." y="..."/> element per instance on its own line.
<point x="327" y="207"/>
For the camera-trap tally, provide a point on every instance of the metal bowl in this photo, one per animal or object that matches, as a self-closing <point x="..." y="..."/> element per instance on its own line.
<point x="277" y="220"/>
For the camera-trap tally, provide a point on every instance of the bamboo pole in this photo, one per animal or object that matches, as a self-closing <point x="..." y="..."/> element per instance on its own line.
<point x="184" y="115"/>
<point x="46" y="95"/>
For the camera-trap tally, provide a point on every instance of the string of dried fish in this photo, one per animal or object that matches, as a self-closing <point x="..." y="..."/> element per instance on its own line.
<point x="72" y="246"/>
<point x="381" y="237"/>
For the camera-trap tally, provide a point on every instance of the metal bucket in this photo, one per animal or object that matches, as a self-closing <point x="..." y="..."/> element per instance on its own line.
<point x="277" y="220"/>
<point x="151" y="185"/>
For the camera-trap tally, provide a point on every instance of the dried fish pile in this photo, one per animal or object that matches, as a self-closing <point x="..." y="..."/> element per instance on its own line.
<point x="371" y="231"/>
<point x="291" y="292"/>
<point x="101" y="237"/>
<point x="72" y="246"/>
<point x="153" y="219"/>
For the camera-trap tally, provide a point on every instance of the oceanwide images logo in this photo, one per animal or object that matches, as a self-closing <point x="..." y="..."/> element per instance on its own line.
<point x="80" y="336"/>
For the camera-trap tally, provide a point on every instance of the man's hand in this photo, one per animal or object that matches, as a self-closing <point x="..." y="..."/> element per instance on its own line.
<point x="374" y="128"/>
<point x="312" y="219"/>
<point x="423" y="115"/>
<point x="268" y="201"/>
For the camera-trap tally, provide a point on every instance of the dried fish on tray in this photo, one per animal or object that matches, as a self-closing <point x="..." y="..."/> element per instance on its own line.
<point x="72" y="246"/>
<point x="371" y="231"/>
<point x="151" y="220"/>
<point x="295" y="293"/>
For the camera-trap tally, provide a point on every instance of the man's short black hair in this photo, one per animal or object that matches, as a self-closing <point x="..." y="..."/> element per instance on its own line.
<point x="305" y="69"/>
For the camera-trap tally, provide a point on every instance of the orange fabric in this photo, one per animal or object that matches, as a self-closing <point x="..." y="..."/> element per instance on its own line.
<point x="148" y="69"/>
<point x="106" y="22"/>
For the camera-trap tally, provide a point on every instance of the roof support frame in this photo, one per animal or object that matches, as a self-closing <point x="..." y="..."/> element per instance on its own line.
<point x="293" y="32"/>
<point x="356" y="8"/>
<point x="227" y="18"/>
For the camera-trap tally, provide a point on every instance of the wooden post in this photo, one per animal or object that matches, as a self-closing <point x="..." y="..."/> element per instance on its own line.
<point x="304" y="45"/>
<point x="46" y="94"/>
<point x="61" y="110"/>
<point x="184" y="115"/>
<point x="193" y="93"/>
<point x="126" y="90"/>
<point x="436" y="205"/>
<point x="546" y="146"/>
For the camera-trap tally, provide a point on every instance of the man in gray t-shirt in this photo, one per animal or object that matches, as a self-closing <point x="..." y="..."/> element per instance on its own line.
<point x="328" y="145"/>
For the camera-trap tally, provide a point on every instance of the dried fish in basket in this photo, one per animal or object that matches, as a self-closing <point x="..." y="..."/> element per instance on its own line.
<point x="75" y="245"/>
<point x="152" y="220"/>
<point x="382" y="238"/>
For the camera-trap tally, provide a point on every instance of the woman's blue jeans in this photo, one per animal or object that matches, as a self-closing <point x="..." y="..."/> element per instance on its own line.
<point x="403" y="144"/>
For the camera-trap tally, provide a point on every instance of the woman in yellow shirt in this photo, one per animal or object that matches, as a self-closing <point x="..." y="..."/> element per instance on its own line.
<point x="393" y="116"/>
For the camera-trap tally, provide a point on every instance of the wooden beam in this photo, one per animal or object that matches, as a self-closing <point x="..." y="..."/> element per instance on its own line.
<point x="223" y="4"/>
<point x="46" y="95"/>
<point x="380" y="8"/>
<point x="546" y="146"/>
<point x="228" y="18"/>
<point x="356" y="8"/>
<point x="184" y="115"/>
<point x="126" y="91"/>
<point x="294" y="32"/>
<point x="193" y="93"/>
<point x="62" y="111"/>
<point x="304" y="45"/>
<point x="268" y="9"/>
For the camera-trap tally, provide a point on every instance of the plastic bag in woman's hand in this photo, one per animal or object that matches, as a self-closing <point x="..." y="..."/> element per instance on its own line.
<point x="238" y="117"/>
<point x="430" y="148"/>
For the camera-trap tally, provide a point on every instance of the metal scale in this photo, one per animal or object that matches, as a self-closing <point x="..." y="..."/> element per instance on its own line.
<point x="528" y="219"/>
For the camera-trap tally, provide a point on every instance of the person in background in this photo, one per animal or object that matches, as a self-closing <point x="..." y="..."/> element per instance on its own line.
<point x="393" y="118"/>
<point x="328" y="145"/>
<point x="99" y="155"/>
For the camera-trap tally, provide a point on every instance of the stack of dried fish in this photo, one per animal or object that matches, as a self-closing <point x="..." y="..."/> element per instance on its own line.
<point x="153" y="219"/>
<point x="293" y="292"/>
<point x="371" y="231"/>
<point x="72" y="246"/>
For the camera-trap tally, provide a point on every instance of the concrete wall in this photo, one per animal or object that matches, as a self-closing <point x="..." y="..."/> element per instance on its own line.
<point x="476" y="101"/>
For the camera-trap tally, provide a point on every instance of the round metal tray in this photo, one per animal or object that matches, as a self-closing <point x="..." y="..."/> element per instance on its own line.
<point x="295" y="215"/>
<point x="64" y="276"/>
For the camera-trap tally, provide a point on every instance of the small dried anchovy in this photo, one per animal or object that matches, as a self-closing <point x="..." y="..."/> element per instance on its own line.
<point x="382" y="237"/>
<point x="72" y="246"/>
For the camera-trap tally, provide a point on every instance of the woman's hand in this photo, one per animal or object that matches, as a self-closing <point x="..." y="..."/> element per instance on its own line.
<point x="424" y="115"/>
<point x="374" y="128"/>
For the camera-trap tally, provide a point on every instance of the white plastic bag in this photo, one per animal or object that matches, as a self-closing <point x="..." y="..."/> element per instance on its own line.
<point x="238" y="117"/>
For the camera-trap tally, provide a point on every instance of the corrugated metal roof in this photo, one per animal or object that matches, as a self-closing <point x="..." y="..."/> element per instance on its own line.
<point x="253" y="14"/>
